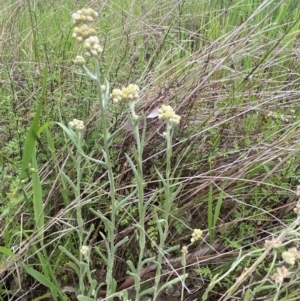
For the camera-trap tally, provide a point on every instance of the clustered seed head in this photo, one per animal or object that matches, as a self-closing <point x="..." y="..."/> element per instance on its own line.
<point x="291" y="255"/>
<point x="197" y="233"/>
<point x="84" y="33"/>
<point x="92" y="47"/>
<point x="79" y="61"/>
<point x="126" y="95"/>
<point x="130" y="93"/>
<point x="297" y="209"/>
<point x="288" y="257"/>
<point x="167" y="114"/>
<point x="76" y="125"/>
<point x="184" y="250"/>
<point x="298" y="190"/>
<point x="85" y="15"/>
<point x="274" y="243"/>
<point x="282" y="273"/>
<point x="84" y="250"/>
<point x="116" y="95"/>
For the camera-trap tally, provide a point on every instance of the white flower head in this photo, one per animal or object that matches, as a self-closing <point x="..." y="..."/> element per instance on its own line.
<point x="83" y="32"/>
<point x="130" y="93"/>
<point x="295" y="252"/>
<point x="167" y="114"/>
<point x="184" y="250"/>
<point x="84" y="250"/>
<point x="197" y="233"/>
<point x="298" y="190"/>
<point x="77" y="125"/>
<point x="85" y="15"/>
<point x="289" y="257"/>
<point x="297" y="209"/>
<point x="92" y="47"/>
<point x="116" y="95"/>
<point x="126" y="95"/>
<point x="282" y="272"/>
<point x="274" y="243"/>
<point x="79" y="61"/>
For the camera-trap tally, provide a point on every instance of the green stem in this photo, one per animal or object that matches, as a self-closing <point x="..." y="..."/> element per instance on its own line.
<point x="77" y="192"/>
<point x="111" y="232"/>
<point x="167" y="208"/>
<point x="141" y="206"/>
<point x="78" y="212"/>
<point x="168" y="203"/>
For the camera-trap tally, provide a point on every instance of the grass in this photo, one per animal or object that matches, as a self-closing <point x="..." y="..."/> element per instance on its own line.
<point x="230" y="69"/>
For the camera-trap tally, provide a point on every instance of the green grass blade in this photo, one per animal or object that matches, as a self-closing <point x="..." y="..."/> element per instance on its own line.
<point x="84" y="298"/>
<point x="218" y="208"/>
<point x="6" y="251"/>
<point x="210" y="214"/>
<point x="30" y="142"/>
<point x="41" y="279"/>
<point x="37" y="196"/>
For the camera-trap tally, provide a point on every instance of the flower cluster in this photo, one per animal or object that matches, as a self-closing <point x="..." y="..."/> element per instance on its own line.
<point x="184" y="250"/>
<point x="167" y="114"/>
<point x="126" y="95"/>
<point x="291" y="255"/>
<point x="84" y="33"/>
<point x="197" y="233"/>
<point x="298" y="190"/>
<point x="84" y="250"/>
<point x="274" y="243"/>
<point x="84" y="16"/>
<point x="79" y="60"/>
<point x="76" y="125"/>
<point x="282" y="273"/>
<point x="297" y="209"/>
<point x="92" y="47"/>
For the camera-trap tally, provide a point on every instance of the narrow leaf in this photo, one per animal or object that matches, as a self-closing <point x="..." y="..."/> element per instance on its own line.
<point x="37" y="196"/>
<point x="6" y="251"/>
<point x="32" y="134"/>
<point x="39" y="277"/>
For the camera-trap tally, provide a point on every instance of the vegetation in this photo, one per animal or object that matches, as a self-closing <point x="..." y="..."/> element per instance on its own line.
<point x="104" y="195"/>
